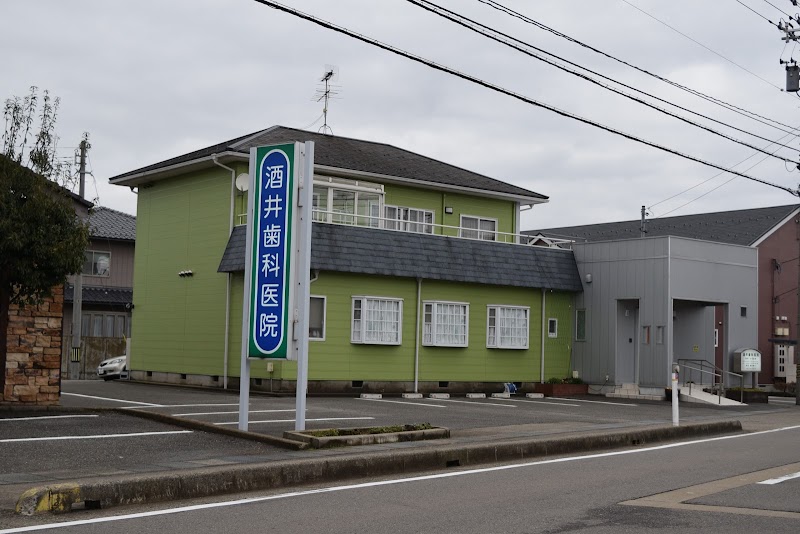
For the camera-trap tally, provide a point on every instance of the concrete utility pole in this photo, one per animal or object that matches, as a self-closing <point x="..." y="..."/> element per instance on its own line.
<point x="797" y="324"/>
<point x="77" y="293"/>
<point x="643" y="226"/>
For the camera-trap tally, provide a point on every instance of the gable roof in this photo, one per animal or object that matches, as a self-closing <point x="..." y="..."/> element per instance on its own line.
<point x="343" y="153"/>
<point x="353" y="249"/>
<point x="738" y="227"/>
<point x="112" y="224"/>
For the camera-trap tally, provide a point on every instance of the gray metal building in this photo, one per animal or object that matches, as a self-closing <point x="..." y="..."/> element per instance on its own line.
<point x="648" y="302"/>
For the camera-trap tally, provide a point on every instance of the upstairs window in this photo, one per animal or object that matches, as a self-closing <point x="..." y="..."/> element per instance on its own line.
<point x="478" y="228"/>
<point x="96" y="263"/>
<point x="408" y="219"/>
<point x="445" y="324"/>
<point x="344" y="201"/>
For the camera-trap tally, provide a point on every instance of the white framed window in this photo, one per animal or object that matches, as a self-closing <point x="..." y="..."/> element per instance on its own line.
<point x="343" y="201"/>
<point x="478" y="228"/>
<point x="445" y="324"/>
<point x="96" y="263"/>
<point x="716" y="338"/>
<point x="377" y="321"/>
<point x="316" y="318"/>
<point x="507" y="327"/>
<point x="660" y="335"/>
<point x="408" y="219"/>
<point x="552" y="327"/>
<point x="580" y="325"/>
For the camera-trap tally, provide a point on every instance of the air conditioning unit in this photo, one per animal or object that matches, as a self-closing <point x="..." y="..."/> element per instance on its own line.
<point x="784" y="363"/>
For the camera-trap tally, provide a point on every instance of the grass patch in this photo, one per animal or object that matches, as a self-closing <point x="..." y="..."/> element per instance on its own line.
<point x="332" y="432"/>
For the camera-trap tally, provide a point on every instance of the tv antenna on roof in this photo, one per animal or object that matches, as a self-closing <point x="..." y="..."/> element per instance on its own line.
<point x="325" y="94"/>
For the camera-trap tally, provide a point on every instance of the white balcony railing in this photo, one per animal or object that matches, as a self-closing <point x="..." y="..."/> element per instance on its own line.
<point x="429" y="228"/>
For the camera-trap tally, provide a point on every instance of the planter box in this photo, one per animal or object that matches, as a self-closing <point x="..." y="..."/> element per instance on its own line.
<point x="562" y="390"/>
<point x="365" y="439"/>
<point x="750" y="397"/>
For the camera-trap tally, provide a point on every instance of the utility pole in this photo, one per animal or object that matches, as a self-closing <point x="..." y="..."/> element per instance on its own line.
<point x="77" y="293"/>
<point x="797" y="324"/>
<point x="643" y="225"/>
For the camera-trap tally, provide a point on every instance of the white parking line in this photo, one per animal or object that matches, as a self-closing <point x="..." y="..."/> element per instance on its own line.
<point x="227" y="413"/>
<point x="308" y="420"/>
<point x="45" y="417"/>
<point x="100" y="436"/>
<point x="380" y="483"/>
<point x="479" y="403"/>
<point x="184" y="405"/>
<point x="541" y="402"/>
<point x="778" y="480"/>
<point x="109" y="399"/>
<point x="595" y="402"/>
<point x="412" y="403"/>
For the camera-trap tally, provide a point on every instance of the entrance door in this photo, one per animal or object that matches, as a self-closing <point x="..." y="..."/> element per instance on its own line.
<point x="627" y="340"/>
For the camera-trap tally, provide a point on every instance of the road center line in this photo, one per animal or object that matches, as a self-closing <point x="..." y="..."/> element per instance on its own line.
<point x="309" y="420"/>
<point x="45" y="417"/>
<point x="411" y="403"/>
<point x="97" y="436"/>
<point x="350" y="487"/>
<point x="109" y="399"/>
<point x="778" y="480"/>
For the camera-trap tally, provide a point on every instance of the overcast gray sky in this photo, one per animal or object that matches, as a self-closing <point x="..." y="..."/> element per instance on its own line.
<point x="151" y="79"/>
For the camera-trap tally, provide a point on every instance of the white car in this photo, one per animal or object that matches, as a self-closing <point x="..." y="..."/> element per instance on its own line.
<point x="112" y="367"/>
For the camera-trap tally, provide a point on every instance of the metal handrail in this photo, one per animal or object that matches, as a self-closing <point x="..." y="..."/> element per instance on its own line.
<point x="429" y="228"/>
<point x="720" y="374"/>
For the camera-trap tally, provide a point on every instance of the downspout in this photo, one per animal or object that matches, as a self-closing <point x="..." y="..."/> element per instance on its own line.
<point x="228" y="282"/>
<point x="544" y="332"/>
<point x="416" y="336"/>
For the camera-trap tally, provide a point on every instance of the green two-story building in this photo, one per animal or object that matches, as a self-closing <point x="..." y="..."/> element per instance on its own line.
<point x="418" y="279"/>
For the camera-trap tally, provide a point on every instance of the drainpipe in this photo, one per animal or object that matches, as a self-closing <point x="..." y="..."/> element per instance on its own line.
<point x="416" y="336"/>
<point x="228" y="282"/>
<point x="544" y="332"/>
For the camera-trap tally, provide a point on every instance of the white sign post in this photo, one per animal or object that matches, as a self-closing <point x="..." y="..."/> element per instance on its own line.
<point x="277" y="263"/>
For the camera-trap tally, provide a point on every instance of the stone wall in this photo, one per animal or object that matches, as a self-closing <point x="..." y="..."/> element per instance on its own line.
<point x="33" y="364"/>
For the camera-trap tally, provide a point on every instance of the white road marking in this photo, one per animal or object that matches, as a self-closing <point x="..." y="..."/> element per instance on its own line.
<point x="778" y="480"/>
<point x="479" y="403"/>
<point x="183" y="405"/>
<point x="309" y="420"/>
<point x="45" y="417"/>
<point x="96" y="436"/>
<point x="228" y="413"/>
<point x="541" y="402"/>
<point x="412" y="403"/>
<point x="391" y="482"/>
<point x="109" y="399"/>
<point x="595" y="402"/>
<point x="781" y="401"/>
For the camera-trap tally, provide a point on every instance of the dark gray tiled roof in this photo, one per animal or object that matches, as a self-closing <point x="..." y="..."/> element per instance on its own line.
<point x="112" y="224"/>
<point x="383" y="252"/>
<point x="100" y="295"/>
<point x="739" y="227"/>
<point x="355" y="155"/>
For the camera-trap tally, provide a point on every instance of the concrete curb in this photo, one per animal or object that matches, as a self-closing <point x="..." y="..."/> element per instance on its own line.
<point x="223" y="480"/>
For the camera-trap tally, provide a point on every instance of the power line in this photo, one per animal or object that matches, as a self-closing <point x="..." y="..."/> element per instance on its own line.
<point x="726" y="105"/>
<point x="479" y="28"/>
<point x="713" y="177"/>
<point x="776" y="7"/>
<point x="704" y="46"/>
<point x="497" y="88"/>
<point x="757" y="13"/>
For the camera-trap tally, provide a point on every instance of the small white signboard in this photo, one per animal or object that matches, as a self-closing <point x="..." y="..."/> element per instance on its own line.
<point x="747" y="361"/>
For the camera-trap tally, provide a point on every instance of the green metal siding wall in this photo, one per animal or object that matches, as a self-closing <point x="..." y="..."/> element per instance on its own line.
<point x="338" y="359"/>
<point x="178" y="322"/>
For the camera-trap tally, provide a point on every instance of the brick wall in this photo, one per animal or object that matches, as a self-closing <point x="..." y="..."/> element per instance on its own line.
<point x="33" y="364"/>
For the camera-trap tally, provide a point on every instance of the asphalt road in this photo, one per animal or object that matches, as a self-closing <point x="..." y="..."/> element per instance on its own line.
<point x="715" y="480"/>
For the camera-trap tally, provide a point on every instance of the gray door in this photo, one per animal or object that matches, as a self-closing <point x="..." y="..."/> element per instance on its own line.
<point x="627" y="342"/>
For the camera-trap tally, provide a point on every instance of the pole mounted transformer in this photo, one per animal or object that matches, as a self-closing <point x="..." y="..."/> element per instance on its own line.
<point x="792" y="78"/>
